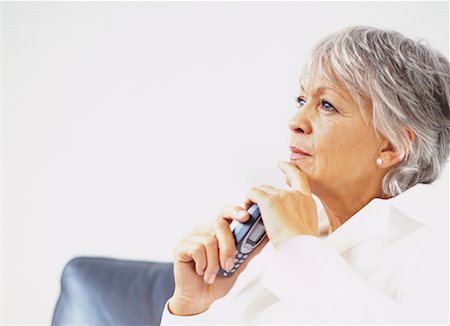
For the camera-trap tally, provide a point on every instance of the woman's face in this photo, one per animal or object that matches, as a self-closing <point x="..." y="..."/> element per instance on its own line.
<point x="339" y="147"/>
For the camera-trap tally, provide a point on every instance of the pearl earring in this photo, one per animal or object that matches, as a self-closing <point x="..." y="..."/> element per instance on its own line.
<point x="379" y="161"/>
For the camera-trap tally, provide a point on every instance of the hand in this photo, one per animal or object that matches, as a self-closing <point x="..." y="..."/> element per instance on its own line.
<point x="197" y="259"/>
<point x="286" y="213"/>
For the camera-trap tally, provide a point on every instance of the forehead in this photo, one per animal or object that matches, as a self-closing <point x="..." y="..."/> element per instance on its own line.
<point x="318" y="84"/>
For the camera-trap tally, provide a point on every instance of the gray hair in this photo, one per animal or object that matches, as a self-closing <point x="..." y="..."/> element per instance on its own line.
<point x="406" y="83"/>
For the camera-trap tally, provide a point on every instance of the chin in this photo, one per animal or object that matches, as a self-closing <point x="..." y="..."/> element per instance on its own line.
<point x="303" y="166"/>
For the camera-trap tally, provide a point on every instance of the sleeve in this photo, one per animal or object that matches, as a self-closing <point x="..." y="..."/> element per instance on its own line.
<point x="322" y="287"/>
<point x="169" y="319"/>
<point x="426" y="276"/>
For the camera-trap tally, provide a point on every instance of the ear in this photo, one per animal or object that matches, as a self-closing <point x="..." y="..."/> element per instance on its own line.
<point x="390" y="156"/>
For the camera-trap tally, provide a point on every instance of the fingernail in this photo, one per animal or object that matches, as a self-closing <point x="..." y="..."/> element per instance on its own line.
<point x="211" y="279"/>
<point x="229" y="264"/>
<point x="242" y="213"/>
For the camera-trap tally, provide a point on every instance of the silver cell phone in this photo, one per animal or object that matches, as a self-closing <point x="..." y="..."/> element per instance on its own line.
<point x="247" y="236"/>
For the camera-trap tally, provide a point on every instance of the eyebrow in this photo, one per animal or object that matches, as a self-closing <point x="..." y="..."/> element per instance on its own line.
<point x="321" y="88"/>
<point x="332" y="90"/>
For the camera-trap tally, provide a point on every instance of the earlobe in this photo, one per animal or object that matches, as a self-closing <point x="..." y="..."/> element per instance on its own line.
<point x="389" y="156"/>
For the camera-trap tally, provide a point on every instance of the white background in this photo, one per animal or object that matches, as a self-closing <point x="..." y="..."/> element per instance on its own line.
<point x="125" y="125"/>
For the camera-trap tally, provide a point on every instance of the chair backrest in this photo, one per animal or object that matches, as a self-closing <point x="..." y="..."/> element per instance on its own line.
<point x="113" y="292"/>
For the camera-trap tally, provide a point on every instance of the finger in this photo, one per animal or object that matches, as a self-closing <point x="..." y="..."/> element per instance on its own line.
<point x="191" y="251"/>
<point x="269" y="189"/>
<point x="255" y="196"/>
<point x="237" y="213"/>
<point x="226" y="244"/>
<point x="298" y="180"/>
<point x="288" y="181"/>
<point x="212" y="258"/>
<point x="199" y="257"/>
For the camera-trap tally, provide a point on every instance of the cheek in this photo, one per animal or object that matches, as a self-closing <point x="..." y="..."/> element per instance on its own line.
<point x="342" y="151"/>
<point x="329" y="146"/>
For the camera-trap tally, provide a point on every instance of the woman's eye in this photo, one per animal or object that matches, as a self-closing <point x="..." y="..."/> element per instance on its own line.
<point x="327" y="106"/>
<point x="300" y="101"/>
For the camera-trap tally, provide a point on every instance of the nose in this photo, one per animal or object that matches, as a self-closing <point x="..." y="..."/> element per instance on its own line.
<point x="300" y="123"/>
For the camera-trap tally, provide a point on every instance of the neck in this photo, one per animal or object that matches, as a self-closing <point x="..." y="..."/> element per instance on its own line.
<point x="341" y="206"/>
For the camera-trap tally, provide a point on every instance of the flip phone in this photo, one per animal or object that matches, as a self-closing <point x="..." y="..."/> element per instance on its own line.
<point x="247" y="236"/>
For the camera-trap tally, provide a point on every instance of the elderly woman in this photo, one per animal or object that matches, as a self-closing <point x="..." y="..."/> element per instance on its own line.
<point x="373" y="120"/>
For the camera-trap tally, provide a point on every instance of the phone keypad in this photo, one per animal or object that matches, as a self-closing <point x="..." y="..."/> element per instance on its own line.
<point x="238" y="260"/>
<point x="247" y="237"/>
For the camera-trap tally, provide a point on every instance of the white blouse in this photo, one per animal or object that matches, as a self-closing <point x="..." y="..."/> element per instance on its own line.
<point x="379" y="267"/>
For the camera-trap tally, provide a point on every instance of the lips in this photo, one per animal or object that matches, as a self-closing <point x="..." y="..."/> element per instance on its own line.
<point x="297" y="153"/>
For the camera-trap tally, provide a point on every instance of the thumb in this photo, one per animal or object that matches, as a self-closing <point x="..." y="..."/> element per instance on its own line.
<point x="295" y="177"/>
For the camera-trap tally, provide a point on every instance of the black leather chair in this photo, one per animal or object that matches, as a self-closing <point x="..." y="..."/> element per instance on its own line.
<point x="104" y="291"/>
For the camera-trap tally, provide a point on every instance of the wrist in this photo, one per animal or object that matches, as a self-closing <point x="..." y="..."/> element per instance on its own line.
<point x="180" y="307"/>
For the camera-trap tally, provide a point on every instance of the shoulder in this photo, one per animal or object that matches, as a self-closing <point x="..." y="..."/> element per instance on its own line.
<point x="415" y="240"/>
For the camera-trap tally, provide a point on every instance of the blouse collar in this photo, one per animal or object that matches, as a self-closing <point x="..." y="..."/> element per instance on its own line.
<point x="369" y="221"/>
